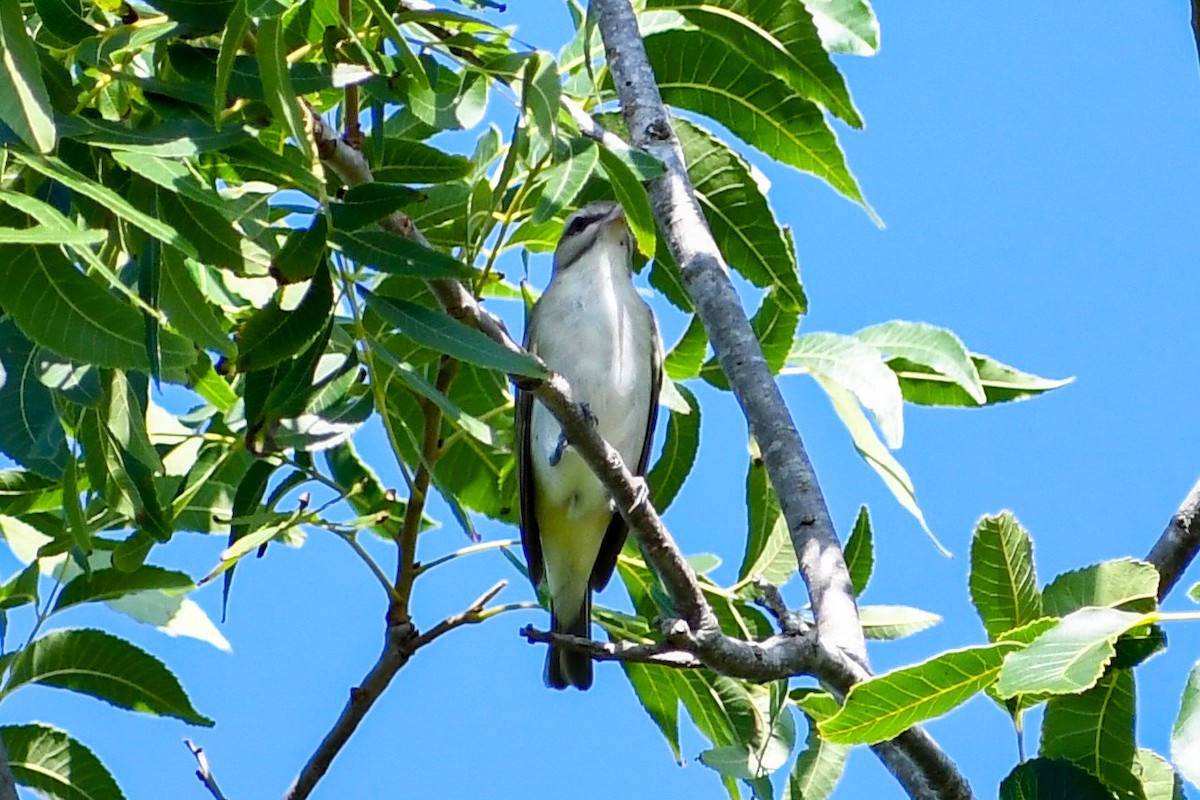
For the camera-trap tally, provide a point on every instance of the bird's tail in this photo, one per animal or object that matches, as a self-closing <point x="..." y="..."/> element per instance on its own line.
<point x="570" y="667"/>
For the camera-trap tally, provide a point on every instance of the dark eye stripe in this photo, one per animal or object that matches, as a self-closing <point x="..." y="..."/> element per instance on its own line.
<point x="579" y="224"/>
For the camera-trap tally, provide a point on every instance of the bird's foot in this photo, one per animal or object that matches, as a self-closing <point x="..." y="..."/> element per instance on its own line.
<point x="588" y="415"/>
<point x="641" y="493"/>
<point x="557" y="455"/>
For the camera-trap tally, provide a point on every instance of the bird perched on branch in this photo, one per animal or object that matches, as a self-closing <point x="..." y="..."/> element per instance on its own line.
<point x="591" y="327"/>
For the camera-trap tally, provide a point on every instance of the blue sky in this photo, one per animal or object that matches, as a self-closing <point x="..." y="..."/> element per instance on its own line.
<point x="1037" y="169"/>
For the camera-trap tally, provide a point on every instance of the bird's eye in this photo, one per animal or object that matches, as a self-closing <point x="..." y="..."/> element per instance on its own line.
<point x="577" y="225"/>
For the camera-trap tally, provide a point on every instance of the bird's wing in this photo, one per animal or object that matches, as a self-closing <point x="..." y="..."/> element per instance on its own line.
<point x="614" y="537"/>
<point x="531" y="540"/>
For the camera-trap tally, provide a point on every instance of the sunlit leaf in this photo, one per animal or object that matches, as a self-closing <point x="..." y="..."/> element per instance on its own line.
<point x="1003" y="578"/>
<point x="51" y="763"/>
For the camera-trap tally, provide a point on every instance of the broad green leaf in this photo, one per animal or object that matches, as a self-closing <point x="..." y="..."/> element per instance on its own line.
<point x="846" y="26"/>
<point x="281" y="97"/>
<point x="678" y="454"/>
<point x="106" y="667"/>
<point x="632" y="196"/>
<point x="65" y="19"/>
<point x="216" y="242"/>
<point x="1001" y="383"/>
<point x="1095" y="730"/>
<point x="414" y="380"/>
<point x="396" y="255"/>
<point x="687" y="356"/>
<point x="1124" y="582"/>
<point x="302" y="253"/>
<point x="894" y="622"/>
<point x="44" y="234"/>
<point x="859" y="369"/>
<point x="703" y="74"/>
<point x="882" y="707"/>
<point x="407" y="161"/>
<point x="817" y="769"/>
<point x="1003" y="577"/>
<point x="1158" y="778"/>
<point x="109" y="584"/>
<point x="860" y="552"/>
<point x="1069" y="657"/>
<point x="445" y="334"/>
<point x="927" y="345"/>
<point x="24" y="102"/>
<point x="64" y="311"/>
<point x="1052" y="779"/>
<point x="417" y="89"/>
<point x="1185" y="735"/>
<point x="655" y="687"/>
<point x="30" y="431"/>
<point x="172" y="614"/>
<point x="24" y="491"/>
<point x="187" y="308"/>
<point x="209" y="15"/>
<point x="769" y="552"/>
<point x="540" y="91"/>
<point x="562" y="182"/>
<point x="367" y="203"/>
<point x="175" y="139"/>
<point x="57" y="767"/>
<point x="780" y="37"/>
<point x="275" y="334"/>
<point x="20" y="590"/>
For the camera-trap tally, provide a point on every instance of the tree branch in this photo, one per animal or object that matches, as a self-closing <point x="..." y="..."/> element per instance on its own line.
<point x="640" y="653"/>
<point x="1178" y="545"/>
<point x="203" y="773"/>
<point x="8" y="784"/>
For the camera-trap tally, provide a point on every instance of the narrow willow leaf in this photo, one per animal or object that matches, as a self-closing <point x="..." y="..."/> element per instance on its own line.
<point x="51" y="763"/>
<point x="418" y="383"/>
<point x="1095" y="730"/>
<point x="281" y="97"/>
<point x="1052" y="779"/>
<point x="1003" y="579"/>
<point x="21" y="590"/>
<point x="703" y="74"/>
<point x="25" y="491"/>
<point x="1069" y="657"/>
<point x="936" y="348"/>
<point x="44" y="234"/>
<point x="655" y="687"/>
<point x="561" y="183"/>
<point x="447" y="335"/>
<point x="30" y="431"/>
<point x="882" y="707"/>
<point x="65" y="19"/>
<point x="1159" y="779"/>
<point x="274" y="334"/>
<point x="846" y="26"/>
<point x="1001" y="383"/>
<point x="246" y="502"/>
<point x="687" y="356"/>
<point x="216" y="242"/>
<point x="394" y="254"/>
<point x="109" y="584"/>
<point x="817" y="769"/>
<point x="678" y="453"/>
<point x="417" y="89"/>
<point x="769" y="552"/>
<point x="860" y="552"/>
<point x="187" y="308"/>
<point x="894" y="622"/>
<point x="859" y="369"/>
<point x="231" y="42"/>
<point x="408" y="161"/>
<point x="1185" y="735"/>
<point x="24" y="101"/>
<point x="781" y="35"/>
<point x="367" y="203"/>
<point x="1123" y="582"/>
<point x="631" y="194"/>
<point x="62" y="310"/>
<point x="106" y="667"/>
<point x="174" y="139"/>
<point x="540" y="91"/>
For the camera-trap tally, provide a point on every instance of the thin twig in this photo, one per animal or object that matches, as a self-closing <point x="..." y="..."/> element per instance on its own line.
<point x="203" y="773"/>
<point x="1178" y="545"/>
<point x="472" y="614"/>
<point x="770" y="598"/>
<point x="662" y="653"/>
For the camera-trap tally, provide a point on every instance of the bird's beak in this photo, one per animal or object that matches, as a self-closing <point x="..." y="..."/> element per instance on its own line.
<point x="616" y="217"/>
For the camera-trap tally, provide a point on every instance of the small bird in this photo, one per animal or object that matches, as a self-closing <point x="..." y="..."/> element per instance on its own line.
<point x="591" y="327"/>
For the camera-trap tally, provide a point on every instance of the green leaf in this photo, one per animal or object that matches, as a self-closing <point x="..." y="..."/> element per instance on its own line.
<point x="632" y="196"/>
<point x="408" y="161"/>
<point x="30" y="431"/>
<point x="24" y="491"/>
<point x="21" y="590"/>
<point x="655" y="687"/>
<point x="441" y="332"/>
<point x="1158" y="778"/>
<point x="367" y="203"/>
<point x="175" y="139"/>
<point x="703" y="74"/>
<point x="246" y="501"/>
<point x="687" y="356"/>
<point x="1194" y="593"/>
<point x="860" y="552"/>
<point x="65" y="19"/>
<point x="109" y="584"/>
<point x="894" y="622"/>
<point x="1001" y="383"/>
<point x="1069" y="657"/>
<point x="24" y="102"/>
<point x="778" y="36"/>
<point x="281" y="97"/>
<point x="418" y="383"/>
<point x="1124" y="582"/>
<point x="64" y="311"/>
<point x="187" y="308"/>
<point x="210" y="234"/>
<point x="859" y="369"/>
<point x="678" y="454"/>
<point x="1185" y="735"/>
<point x="106" y="667"/>
<point x="1003" y="578"/>
<point x="1095" y="730"/>
<point x="846" y="26"/>
<point x="540" y="91"/>
<point x="396" y="255"/>
<point x="274" y="334"/>
<point x="817" y="769"/>
<point x="882" y="707"/>
<point x="51" y="763"/>
<point x="44" y="234"/>
<point x="769" y="552"/>
<point x="929" y="346"/>
<point x="1051" y="779"/>
<point x="562" y="182"/>
<point x="231" y="42"/>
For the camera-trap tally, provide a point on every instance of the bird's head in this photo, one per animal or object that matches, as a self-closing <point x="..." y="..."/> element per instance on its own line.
<point x="599" y="224"/>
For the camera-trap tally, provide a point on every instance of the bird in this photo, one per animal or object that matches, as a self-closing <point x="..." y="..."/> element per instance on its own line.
<point x="590" y="326"/>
